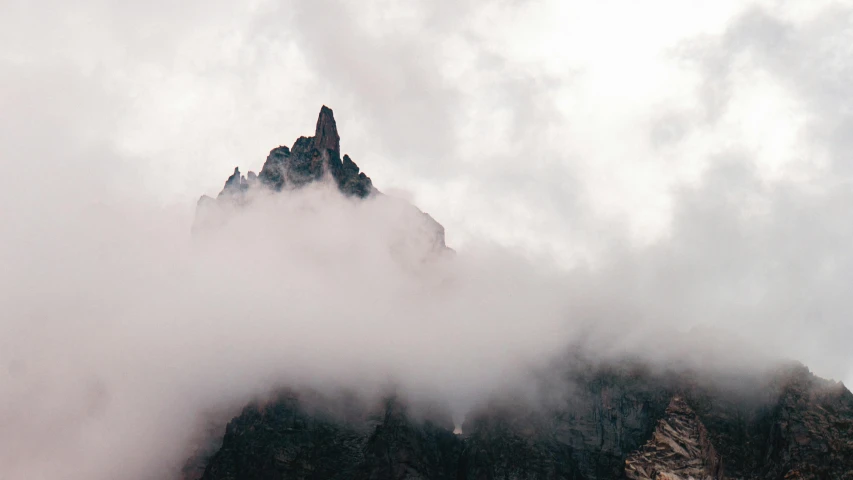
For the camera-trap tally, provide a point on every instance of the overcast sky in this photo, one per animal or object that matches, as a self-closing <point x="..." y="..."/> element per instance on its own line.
<point x="529" y="122"/>
<point x="692" y="158"/>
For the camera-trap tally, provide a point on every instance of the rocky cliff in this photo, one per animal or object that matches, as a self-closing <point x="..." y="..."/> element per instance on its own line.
<point x="610" y="422"/>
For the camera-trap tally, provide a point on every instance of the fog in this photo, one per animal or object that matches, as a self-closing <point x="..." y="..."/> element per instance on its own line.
<point x="672" y="187"/>
<point x="122" y="328"/>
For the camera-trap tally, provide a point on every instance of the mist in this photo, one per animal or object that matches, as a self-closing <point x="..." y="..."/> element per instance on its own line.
<point x="679" y="197"/>
<point x="124" y="326"/>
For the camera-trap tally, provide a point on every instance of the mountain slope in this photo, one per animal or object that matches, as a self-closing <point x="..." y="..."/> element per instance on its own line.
<point x="618" y="423"/>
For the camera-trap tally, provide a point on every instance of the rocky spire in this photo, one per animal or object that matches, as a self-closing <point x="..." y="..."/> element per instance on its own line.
<point x="326" y="134"/>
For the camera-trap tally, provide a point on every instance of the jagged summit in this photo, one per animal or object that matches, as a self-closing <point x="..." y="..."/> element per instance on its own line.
<point x="308" y="160"/>
<point x="311" y="159"/>
<point x="678" y="449"/>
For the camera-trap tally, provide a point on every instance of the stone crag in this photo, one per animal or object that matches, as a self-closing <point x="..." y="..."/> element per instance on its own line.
<point x="309" y="160"/>
<point x="312" y="157"/>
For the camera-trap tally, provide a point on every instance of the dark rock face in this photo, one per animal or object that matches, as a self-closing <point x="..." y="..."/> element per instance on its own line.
<point x="282" y="440"/>
<point x="508" y="443"/>
<point x="599" y="416"/>
<point x="609" y="423"/>
<point x="811" y="433"/>
<point x="326" y="134"/>
<point x="401" y="449"/>
<point x="292" y="438"/>
<point x="796" y="425"/>
<point x="307" y="161"/>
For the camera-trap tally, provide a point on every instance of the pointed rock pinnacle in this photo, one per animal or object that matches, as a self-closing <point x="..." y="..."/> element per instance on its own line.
<point x="326" y="134"/>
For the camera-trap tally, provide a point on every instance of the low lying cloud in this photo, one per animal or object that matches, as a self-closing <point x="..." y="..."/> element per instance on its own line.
<point x="123" y="328"/>
<point x="705" y="183"/>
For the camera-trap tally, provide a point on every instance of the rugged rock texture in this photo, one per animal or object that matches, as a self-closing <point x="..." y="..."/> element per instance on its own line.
<point x="604" y="422"/>
<point x="811" y="433"/>
<point x="792" y="425"/>
<point x="678" y="450"/>
<point x="511" y="443"/>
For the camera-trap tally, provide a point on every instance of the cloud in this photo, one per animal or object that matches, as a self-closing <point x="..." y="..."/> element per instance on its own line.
<point x="123" y="332"/>
<point x="640" y="180"/>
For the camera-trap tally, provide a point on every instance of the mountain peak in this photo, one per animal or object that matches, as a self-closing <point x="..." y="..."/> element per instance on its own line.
<point x="326" y="134"/>
<point x="313" y="159"/>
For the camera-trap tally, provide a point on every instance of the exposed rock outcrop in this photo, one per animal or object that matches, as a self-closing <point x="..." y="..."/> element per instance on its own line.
<point x="311" y="158"/>
<point x="678" y="450"/>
